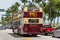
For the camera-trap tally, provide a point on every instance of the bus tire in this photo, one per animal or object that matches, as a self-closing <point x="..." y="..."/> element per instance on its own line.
<point x="13" y="32"/>
<point x="46" y="33"/>
<point x="34" y="34"/>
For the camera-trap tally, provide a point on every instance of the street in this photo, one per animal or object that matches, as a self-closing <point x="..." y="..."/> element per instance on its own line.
<point x="8" y="35"/>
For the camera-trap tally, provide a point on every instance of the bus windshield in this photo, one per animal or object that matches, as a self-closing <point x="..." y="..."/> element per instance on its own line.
<point x="33" y="20"/>
<point x="47" y="26"/>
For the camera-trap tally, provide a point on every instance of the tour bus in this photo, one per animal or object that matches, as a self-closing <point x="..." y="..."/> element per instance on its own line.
<point x="28" y="22"/>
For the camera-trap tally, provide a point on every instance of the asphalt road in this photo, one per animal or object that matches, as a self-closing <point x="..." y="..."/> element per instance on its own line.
<point x="8" y="35"/>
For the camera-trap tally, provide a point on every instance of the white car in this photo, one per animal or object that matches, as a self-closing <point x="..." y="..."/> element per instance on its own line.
<point x="56" y="32"/>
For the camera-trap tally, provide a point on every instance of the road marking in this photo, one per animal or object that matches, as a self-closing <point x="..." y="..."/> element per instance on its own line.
<point x="26" y="38"/>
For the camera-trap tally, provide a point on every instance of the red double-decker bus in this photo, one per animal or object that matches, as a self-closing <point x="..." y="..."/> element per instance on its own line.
<point x="30" y="22"/>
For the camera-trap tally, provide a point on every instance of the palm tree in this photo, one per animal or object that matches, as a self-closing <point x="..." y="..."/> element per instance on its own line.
<point x="31" y="5"/>
<point x="49" y="9"/>
<point x="58" y="8"/>
<point x="38" y="1"/>
<point x="24" y="1"/>
<point x="58" y="15"/>
<point x="12" y="10"/>
<point x="43" y="6"/>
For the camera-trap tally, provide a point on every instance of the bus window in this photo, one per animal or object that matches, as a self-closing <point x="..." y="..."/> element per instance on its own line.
<point x="33" y="20"/>
<point x="18" y="22"/>
<point x="47" y="26"/>
<point x="15" y="23"/>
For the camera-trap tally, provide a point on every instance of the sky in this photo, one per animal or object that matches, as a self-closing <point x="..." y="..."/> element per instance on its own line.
<point x="7" y="3"/>
<point x="4" y="4"/>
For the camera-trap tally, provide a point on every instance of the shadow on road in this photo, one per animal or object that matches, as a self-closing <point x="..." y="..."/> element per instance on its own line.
<point x="46" y="35"/>
<point x="18" y="36"/>
<point x="56" y="37"/>
<point x="14" y="35"/>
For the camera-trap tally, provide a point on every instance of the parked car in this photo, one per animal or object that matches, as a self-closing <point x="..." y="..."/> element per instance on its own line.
<point x="9" y="27"/>
<point x="56" y="32"/>
<point x="47" y="29"/>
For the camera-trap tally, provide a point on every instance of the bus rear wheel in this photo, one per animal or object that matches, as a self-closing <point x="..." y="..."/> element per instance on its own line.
<point x="34" y="34"/>
<point x="46" y="33"/>
<point x="15" y="32"/>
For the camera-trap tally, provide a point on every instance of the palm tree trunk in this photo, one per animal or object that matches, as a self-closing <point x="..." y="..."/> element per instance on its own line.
<point x="58" y="21"/>
<point x="33" y="3"/>
<point x="44" y="19"/>
<point x="54" y="23"/>
<point x="43" y="12"/>
<point x="51" y="19"/>
<point x="58" y="18"/>
<point x="25" y="3"/>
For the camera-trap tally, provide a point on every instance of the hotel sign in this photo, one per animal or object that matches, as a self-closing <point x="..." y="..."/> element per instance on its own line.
<point x="2" y="10"/>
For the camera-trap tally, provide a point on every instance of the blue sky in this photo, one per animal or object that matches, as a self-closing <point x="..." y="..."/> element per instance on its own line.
<point x="4" y="4"/>
<point x="7" y="3"/>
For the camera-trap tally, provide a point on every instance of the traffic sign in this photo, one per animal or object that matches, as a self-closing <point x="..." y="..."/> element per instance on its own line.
<point x="7" y="14"/>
